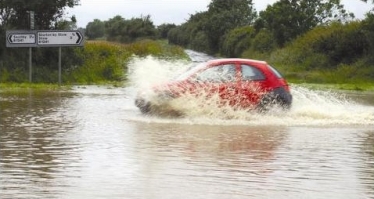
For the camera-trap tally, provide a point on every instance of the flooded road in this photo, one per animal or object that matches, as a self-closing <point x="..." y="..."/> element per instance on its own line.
<point x="92" y="142"/>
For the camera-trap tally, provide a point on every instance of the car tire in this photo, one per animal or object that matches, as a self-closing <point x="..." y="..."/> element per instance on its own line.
<point x="278" y="97"/>
<point x="144" y="107"/>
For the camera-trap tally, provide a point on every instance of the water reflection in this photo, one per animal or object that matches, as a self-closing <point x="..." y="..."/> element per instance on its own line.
<point x="87" y="144"/>
<point x="215" y="141"/>
<point x="212" y="156"/>
<point x="368" y="169"/>
<point x="31" y="139"/>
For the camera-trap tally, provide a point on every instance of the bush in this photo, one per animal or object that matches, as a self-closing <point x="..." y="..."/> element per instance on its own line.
<point x="328" y="46"/>
<point x="102" y="61"/>
<point x="106" y="61"/>
<point x="237" y="41"/>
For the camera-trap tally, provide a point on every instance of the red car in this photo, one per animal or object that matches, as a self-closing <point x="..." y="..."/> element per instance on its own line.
<point x="240" y="83"/>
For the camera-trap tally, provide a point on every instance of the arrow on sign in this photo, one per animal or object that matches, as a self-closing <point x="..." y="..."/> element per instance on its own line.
<point x="79" y="40"/>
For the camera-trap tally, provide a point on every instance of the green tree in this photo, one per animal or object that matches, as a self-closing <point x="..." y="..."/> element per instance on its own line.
<point x="15" y="13"/>
<point x="163" y="30"/>
<point x="197" y="35"/>
<point x="237" y="41"/>
<point x="66" y="24"/>
<point x="113" y="28"/>
<point x="179" y="36"/>
<point x="206" y="31"/>
<point x="287" y="19"/>
<point x="327" y="47"/>
<point x="95" y="29"/>
<point x="121" y="30"/>
<point x="263" y="42"/>
<point x="140" y="28"/>
<point x="368" y="29"/>
<point x="224" y="16"/>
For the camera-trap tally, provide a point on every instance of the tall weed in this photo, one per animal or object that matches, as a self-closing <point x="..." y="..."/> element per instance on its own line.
<point x="107" y="61"/>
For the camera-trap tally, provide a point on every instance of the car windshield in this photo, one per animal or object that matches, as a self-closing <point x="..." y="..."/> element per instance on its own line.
<point x="191" y="70"/>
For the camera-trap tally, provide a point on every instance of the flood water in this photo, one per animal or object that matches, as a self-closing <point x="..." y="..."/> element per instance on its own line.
<point x="92" y="142"/>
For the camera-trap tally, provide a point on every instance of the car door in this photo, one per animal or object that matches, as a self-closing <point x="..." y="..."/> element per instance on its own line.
<point x="218" y="80"/>
<point x="252" y="85"/>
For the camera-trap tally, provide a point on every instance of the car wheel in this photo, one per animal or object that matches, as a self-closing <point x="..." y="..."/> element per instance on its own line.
<point x="144" y="107"/>
<point x="278" y="97"/>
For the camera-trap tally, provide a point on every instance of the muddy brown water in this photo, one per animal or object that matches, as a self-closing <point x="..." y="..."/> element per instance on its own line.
<point x="92" y="142"/>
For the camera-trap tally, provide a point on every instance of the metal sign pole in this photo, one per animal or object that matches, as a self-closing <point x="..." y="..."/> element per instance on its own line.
<point x="30" y="64"/>
<point x="32" y="22"/>
<point x="59" y="66"/>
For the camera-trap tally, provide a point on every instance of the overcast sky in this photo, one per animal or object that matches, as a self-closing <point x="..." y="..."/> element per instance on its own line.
<point x="168" y="11"/>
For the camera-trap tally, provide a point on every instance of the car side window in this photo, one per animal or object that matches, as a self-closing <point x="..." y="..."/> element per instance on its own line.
<point x="250" y="73"/>
<point x="217" y="74"/>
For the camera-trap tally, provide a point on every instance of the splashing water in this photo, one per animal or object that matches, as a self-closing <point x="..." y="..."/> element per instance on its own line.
<point x="309" y="108"/>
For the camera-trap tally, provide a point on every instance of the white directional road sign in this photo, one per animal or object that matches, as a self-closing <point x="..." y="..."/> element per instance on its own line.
<point x="20" y="39"/>
<point x="44" y="38"/>
<point x="59" y="38"/>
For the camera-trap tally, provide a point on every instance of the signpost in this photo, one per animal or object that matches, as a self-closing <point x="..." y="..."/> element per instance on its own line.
<point x="44" y="38"/>
<point x="32" y="20"/>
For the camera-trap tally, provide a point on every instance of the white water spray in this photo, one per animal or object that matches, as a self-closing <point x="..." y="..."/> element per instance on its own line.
<point x="309" y="108"/>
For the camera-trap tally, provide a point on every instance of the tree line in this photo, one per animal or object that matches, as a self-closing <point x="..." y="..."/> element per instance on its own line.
<point x="303" y="34"/>
<point x="119" y="29"/>
<point x="229" y="28"/>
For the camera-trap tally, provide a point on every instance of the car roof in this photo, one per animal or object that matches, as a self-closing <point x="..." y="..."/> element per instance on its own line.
<point x="217" y="61"/>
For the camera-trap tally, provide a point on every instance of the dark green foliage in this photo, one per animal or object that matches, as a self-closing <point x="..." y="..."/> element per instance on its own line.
<point x="343" y="43"/>
<point x="163" y="30"/>
<point x="368" y="30"/>
<point x="95" y="29"/>
<point x="126" y="31"/>
<point x="191" y="34"/>
<point x="113" y="28"/>
<point x="107" y="62"/>
<point x="14" y="65"/>
<point x="178" y="36"/>
<point x="199" y="42"/>
<point x="287" y="19"/>
<point x="237" y="41"/>
<point x="337" y="53"/>
<point x="15" y="13"/>
<point x="261" y="46"/>
<point x="307" y="40"/>
<point x="328" y="46"/>
<point x="263" y="42"/>
<point x="222" y="17"/>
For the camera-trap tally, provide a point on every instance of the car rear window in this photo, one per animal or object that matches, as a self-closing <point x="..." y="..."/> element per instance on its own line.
<point x="276" y="72"/>
<point x="250" y="73"/>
